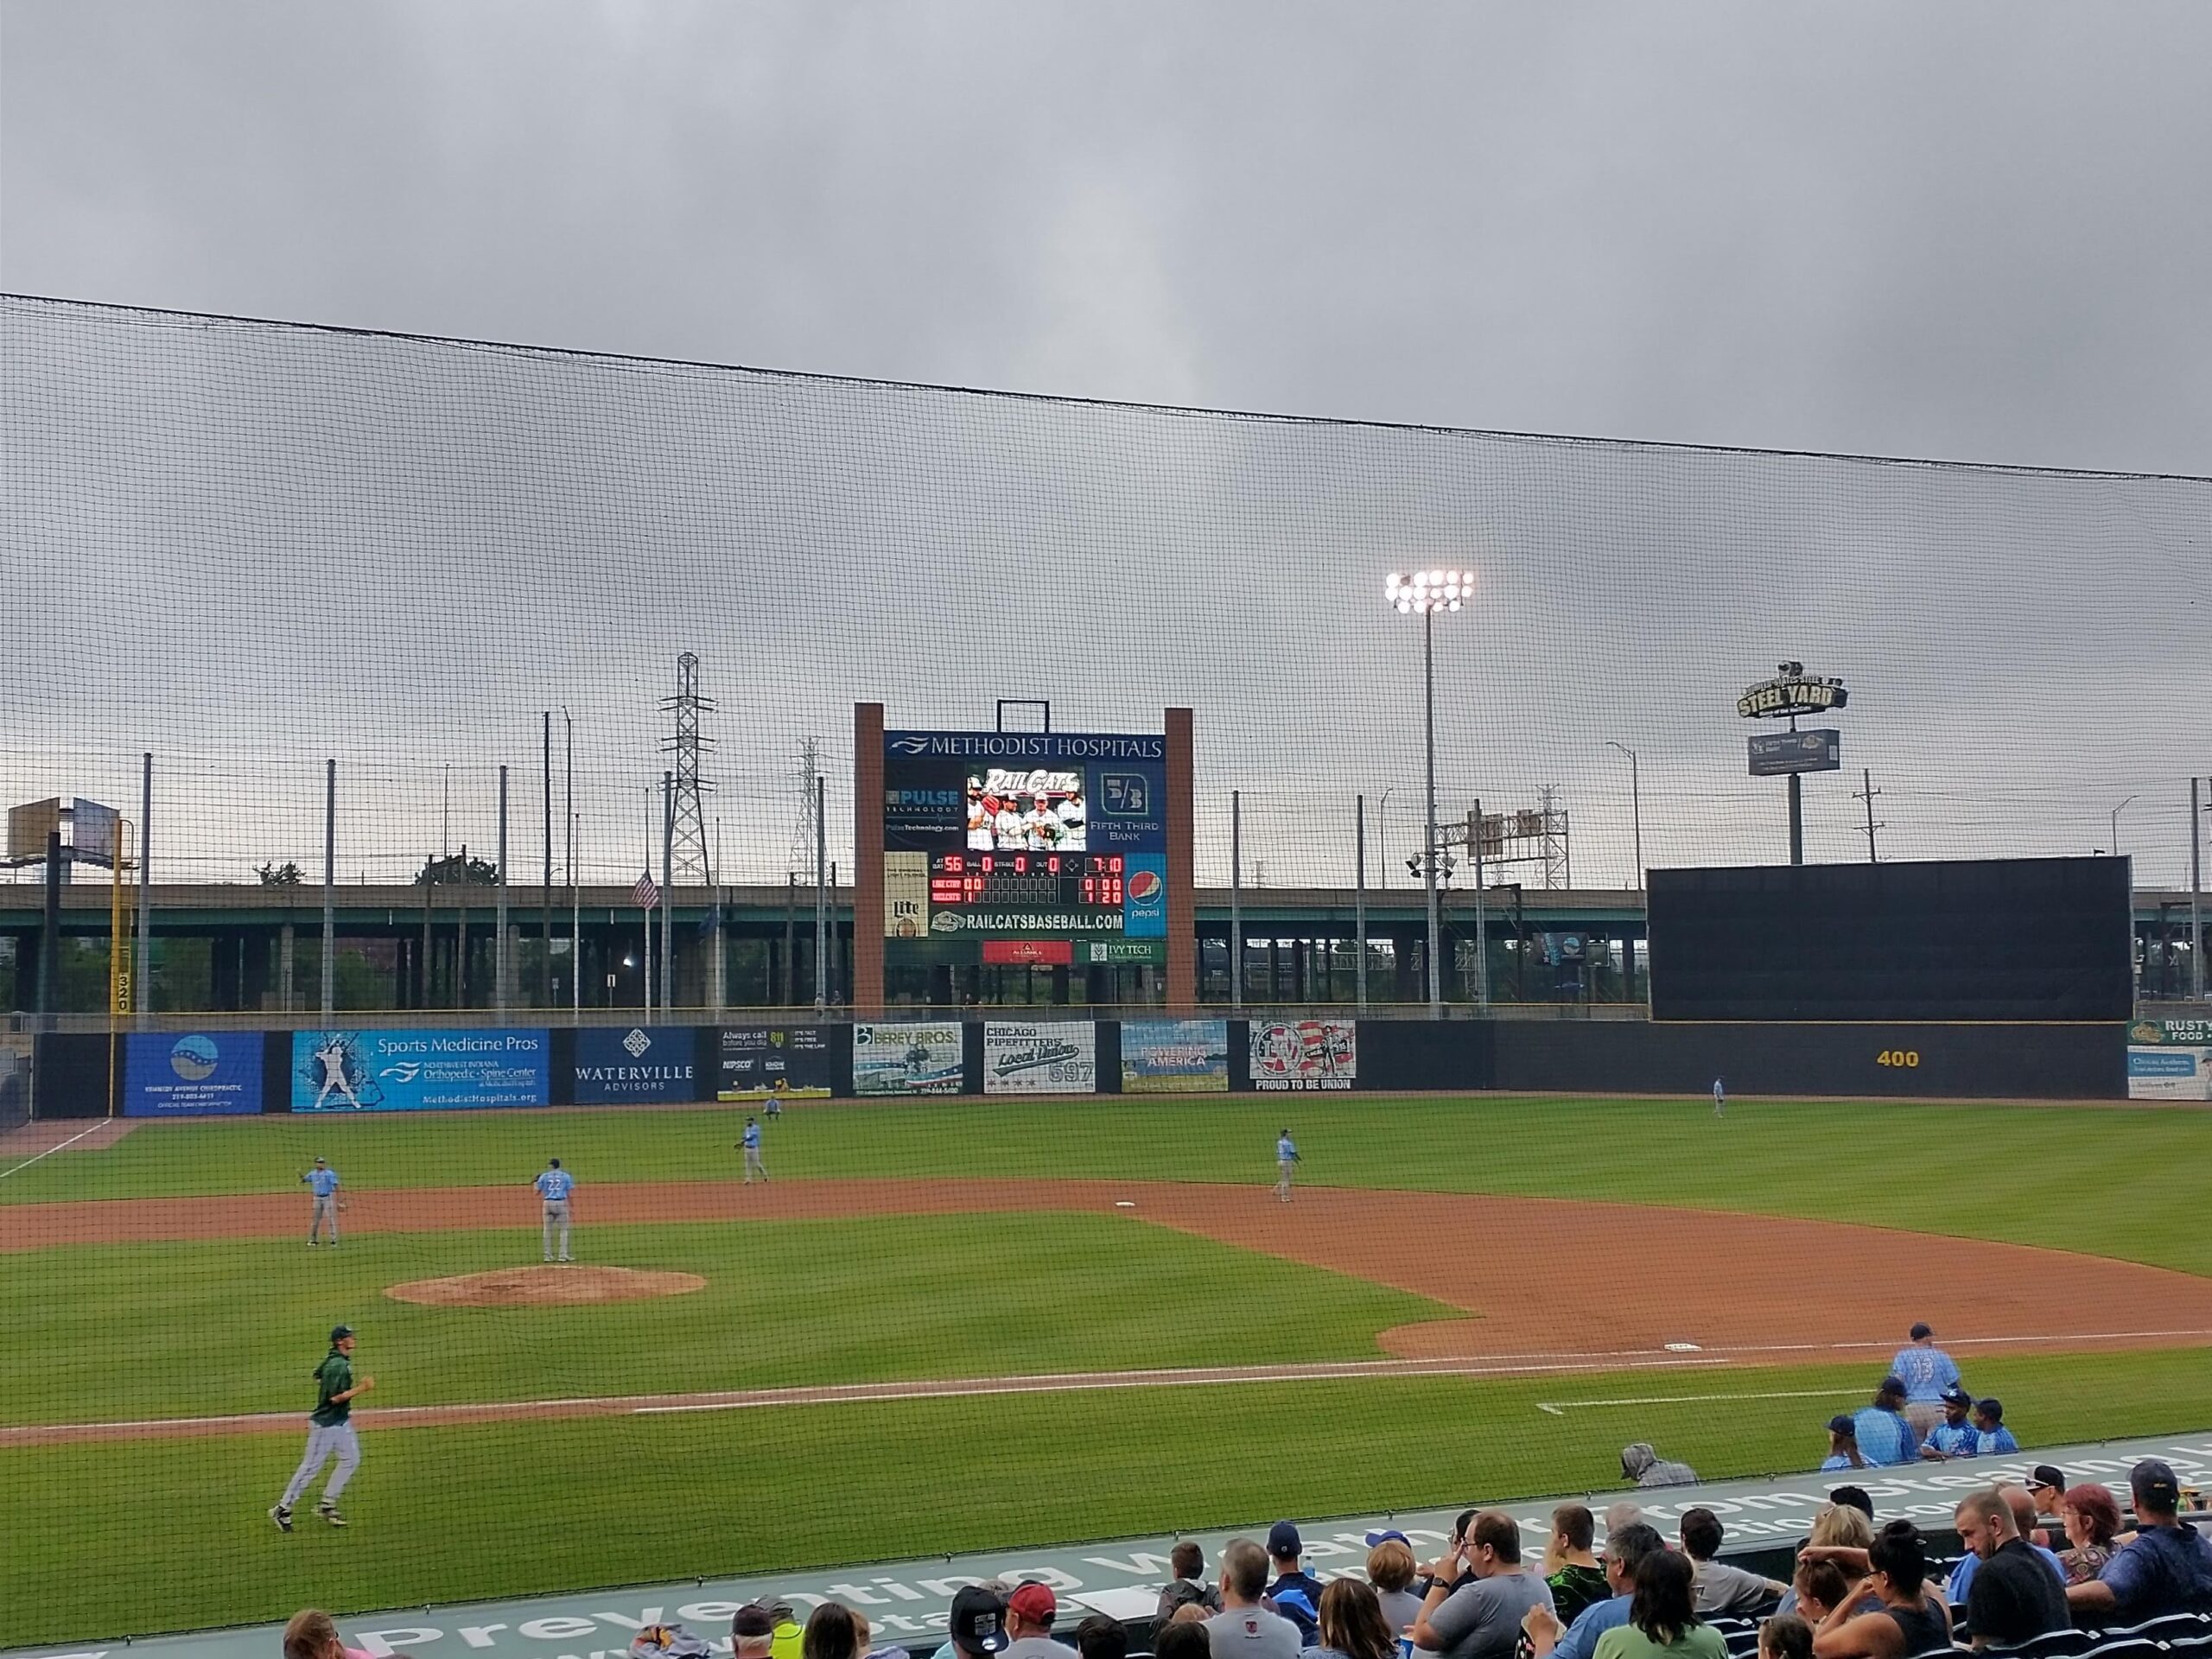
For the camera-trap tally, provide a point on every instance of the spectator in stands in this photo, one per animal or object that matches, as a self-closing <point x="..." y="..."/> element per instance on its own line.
<point x="1030" y="1611"/>
<point x="978" y="1625"/>
<point x="1910" y="1620"/>
<point x="312" y="1634"/>
<point x="1179" y="1638"/>
<point x="1625" y="1548"/>
<point x="2091" y="1516"/>
<point x="866" y="1633"/>
<point x="1244" y="1629"/>
<point x="1721" y="1591"/>
<point x="753" y="1631"/>
<point x="1855" y="1497"/>
<point x="2023" y="1509"/>
<point x="1817" y="1589"/>
<point x="1191" y="1612"/>
<point x="1570" y="1565"/>
<point x="1928" y="1374"/>
<point x="1785" y="1636"/>
<point x="2168" y="1568"/>
<point x="1296" y="1593"/>
<point x="1991" y="1438"/>
<point x="789" y="1637"/>
<point x="1953" y="1437"/>
<point x="831" y="1632"/>
<point x="1479" y="1619"/>
<point x="1663" y="1616"/>
<point x="1626" y="1513"/>
<point x="1188" y="1563"/>
<point x="1352" y="1626"/>
<point x="1391" y="1569"/>
<point x="2046" y="1483"/>
<point x="1884" y="1438"/>
<point x="1843" y="1445"/>
<point x="1100" y="1637"/>
<point x="2013" y="1595"/>
<point x="1645" y="1467"/>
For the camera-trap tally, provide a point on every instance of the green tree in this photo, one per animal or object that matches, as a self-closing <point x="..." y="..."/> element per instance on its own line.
<point x="458" y="867"/>
<point x="286" y="874"/>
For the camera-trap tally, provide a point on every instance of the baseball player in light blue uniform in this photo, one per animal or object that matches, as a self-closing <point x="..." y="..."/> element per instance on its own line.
<point x="1286" y="1161"/>
<point x="752" y="1145"/>
<point x="554" y="1184"/>
<point x="322" y="1181"/>
<point x="1719" y="1098"/>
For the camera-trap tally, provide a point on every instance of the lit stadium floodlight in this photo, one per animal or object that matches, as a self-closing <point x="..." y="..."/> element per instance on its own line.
<point x="1428" y="591"/>
<point x="1424" y="593"/>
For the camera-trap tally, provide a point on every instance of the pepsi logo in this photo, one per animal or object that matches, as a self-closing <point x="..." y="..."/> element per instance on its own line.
<point x="1144" y="886"/>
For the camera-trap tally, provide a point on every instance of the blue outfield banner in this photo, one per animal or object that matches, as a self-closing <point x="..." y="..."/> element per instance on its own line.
<point x="204" y="1074"/>
<point x="615" y="1065"/>
<point x="418" y="1071"/>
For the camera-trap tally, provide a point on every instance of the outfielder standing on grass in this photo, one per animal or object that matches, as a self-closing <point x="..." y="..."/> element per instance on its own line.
<point x="330" y="1432"/>
<point x="322" y="1181"/>
<point x="554" y="1184"/>
<point x="1286" y="1160"/>
<point x="751" y="1143"/>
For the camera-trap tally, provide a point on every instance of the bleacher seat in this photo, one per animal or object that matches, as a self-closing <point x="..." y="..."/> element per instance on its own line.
<point x="2056" y="1644"/>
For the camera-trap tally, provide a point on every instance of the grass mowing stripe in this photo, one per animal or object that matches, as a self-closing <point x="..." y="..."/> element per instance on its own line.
<point x="170" y="1534"/>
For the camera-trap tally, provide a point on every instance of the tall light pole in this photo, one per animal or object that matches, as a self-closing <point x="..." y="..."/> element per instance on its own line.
<point x="569" y="864"/>
<point x="1635" y="803"/>
<point x="2116" y="811"/>
<point x="1425" y="593"/>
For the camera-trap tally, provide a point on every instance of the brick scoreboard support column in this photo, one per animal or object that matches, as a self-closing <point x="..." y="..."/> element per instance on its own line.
<point x="1182" y="899"/>
<point x="867" y="860"/>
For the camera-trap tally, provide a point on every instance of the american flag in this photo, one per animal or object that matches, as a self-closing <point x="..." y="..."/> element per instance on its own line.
<point x="645" y="895"/>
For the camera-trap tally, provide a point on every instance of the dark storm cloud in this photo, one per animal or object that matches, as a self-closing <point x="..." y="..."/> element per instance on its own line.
<point x="1967" y="232"/>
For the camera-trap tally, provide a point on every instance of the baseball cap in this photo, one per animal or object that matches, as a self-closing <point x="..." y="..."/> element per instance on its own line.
<point x="318" y="1161"/>
<point x="340" y="1332"/>
<point x="1920" y="1329"/>
<point x="2153" y="1482"/>
<point x="1283" y="1540"/>
<point x="1384" y="1537"/>
<point x="1840" y="1424"/>
<point x="1955" y="1395"/>
<point x="978" y="1621"/>
<point x="1033" y="1601"/>
<point x="2046" y="1475"/>
<point x="753" y="1621"/>
<point x="1892" y="1385"/>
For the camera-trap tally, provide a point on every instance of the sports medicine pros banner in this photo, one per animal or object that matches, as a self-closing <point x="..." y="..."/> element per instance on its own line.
<point x="418" y="1071"/>
<point x="206" y="1074"/>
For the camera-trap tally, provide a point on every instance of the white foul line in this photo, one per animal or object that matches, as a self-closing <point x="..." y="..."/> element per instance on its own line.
<point x="50" y="1151"/>
<point x="1560" y="1408"/>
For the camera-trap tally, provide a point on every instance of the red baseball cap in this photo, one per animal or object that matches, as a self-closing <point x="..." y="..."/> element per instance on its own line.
<point x="1034" y="1602"/>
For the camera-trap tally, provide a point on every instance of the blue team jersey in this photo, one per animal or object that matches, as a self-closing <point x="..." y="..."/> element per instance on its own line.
<point x="1285" y="1152"/>
<point x="555" y="1184"/>
<point x="322" y="1182"/>
<point x="1995" y="1442"/>
<point x="1925" y="1372"/>
<point x="1835" y="1460"/>
<point x="753" y="1137"/>
<point x="1884" y="1437"/>
<point x="1953" y="1442"/>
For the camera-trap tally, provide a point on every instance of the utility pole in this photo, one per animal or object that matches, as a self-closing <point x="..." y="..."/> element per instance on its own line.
<point x="329" y="888"/>
<point x="667" y="889"/>
<point x="2195" y="897"/>
<point x="1236" y="901"/>
<point x="144" y="1003"/>
<point x="1866" y="792"/>
<point x="820" y="901"/>
<point x="1359" y="810"/>
<point x="1482" y="926"/>
<point x="502" y="963"/>
<point x="545" y="882"/>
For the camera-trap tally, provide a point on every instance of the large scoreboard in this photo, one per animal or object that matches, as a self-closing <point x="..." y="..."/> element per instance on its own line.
<point x="1048" y="847"/>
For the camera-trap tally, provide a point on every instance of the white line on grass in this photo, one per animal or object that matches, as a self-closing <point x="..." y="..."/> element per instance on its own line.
<point x="1560" y="1408"/>
<point x="50" y="1151"/>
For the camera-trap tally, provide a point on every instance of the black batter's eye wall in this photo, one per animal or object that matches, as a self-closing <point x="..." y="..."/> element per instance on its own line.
<point x="1983" y="939"/>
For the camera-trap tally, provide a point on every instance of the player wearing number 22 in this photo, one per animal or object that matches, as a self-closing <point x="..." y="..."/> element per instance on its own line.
<point x="330" y="1432"/>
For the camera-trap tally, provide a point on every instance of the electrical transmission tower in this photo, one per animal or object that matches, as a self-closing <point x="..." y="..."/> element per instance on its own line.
<point x="687" y="859"/>
<point x="809" y="765"/>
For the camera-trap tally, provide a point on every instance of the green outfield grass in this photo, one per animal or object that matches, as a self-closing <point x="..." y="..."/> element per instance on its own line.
<point x="118" y="1333"/>
<point x="2104" y="1181"/>
<point x="116" y="1538"/>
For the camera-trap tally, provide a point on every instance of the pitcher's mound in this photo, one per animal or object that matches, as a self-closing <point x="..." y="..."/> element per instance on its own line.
<point x="545" y="1287"/>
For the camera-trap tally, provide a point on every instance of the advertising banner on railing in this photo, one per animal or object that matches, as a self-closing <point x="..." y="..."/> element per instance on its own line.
<point x="907" y="1059"/>
<point x="1304" y="1054"/>
<point x="1057" y="1057"/>
<point x="418" y="1071"/>
<point x="1174" y="1057"/>
<point x="776" y="1062"/>
<point x="2169" y="1059"/>
<point x="205" y="1074"/>
<point x="615" y="1065"/>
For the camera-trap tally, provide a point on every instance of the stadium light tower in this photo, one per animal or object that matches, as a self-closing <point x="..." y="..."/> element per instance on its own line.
<point x="1635" y="802"/>
<point x="2116" y="811"/>
<point x="1424" y="594"/>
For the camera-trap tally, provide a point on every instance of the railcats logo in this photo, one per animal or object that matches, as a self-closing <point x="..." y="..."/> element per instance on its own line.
<point x="1059" y="1058"/>
<point x="1305" y="1054"/>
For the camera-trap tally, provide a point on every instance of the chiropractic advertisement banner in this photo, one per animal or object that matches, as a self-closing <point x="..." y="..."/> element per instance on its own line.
<point x="206" y="1074"/>
<point x="418" y="1071"/>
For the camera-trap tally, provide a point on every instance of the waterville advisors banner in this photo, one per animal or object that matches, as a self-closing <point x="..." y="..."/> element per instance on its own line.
<point x="1058" y="1057"/>
<point x="418" y="1071"/>
<point x="615" y="1065"/>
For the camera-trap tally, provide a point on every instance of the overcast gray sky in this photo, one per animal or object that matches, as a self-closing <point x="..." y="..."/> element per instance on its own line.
<point x="1970" y="231"/>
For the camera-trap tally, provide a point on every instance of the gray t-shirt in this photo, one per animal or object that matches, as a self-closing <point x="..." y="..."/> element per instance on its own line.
<point x="1400" y="1608"/>
<point x="1481" y="1619"/>
<point x="1252" y="1633"/>
<point x="1036" y="1647"/>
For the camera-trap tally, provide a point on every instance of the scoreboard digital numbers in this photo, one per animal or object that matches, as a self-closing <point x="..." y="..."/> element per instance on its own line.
<point x="1038" y="847"/>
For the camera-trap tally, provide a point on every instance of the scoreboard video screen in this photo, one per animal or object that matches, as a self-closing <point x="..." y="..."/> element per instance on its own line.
<point x="1024" y="847"/>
